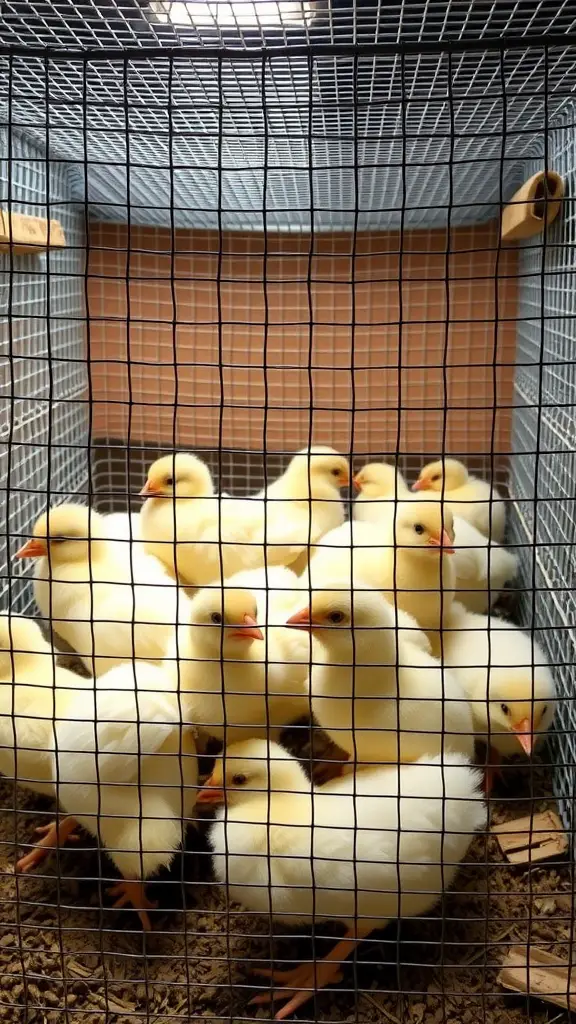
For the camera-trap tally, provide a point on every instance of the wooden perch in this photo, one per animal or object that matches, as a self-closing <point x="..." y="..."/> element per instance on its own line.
<point x="22" y="234"/>
<point x="546" y="977"/>
<point x="539" y="837"/>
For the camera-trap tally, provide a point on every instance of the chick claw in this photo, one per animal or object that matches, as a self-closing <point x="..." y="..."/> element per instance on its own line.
<point x="300" y="983"/>
<point x="55" y="834"/>
<point x="133" y="894"/>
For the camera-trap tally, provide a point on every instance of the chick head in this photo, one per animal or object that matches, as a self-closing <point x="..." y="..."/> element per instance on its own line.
<point x="333" y="613"/>
<point x="318" y="472"/>
<point x="379" y="480"/>
<point x="522" y="702"/>
<point x="18" y="636"/>
<point x="225" y="619"/>
<point x="65" y="533"/>
<point x="178" y="476"/>
<point x="251" y="768"/>
<point x="424" y="527"/>
<point x="443" y="475"/>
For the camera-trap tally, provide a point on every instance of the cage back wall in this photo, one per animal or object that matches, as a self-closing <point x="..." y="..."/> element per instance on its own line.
<point x="282" y="230"/>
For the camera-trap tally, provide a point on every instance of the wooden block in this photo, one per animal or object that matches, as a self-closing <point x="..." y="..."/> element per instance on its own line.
<point x="545" y="976"/>
<point x="539" y="837"/>
<point x="22" y="234"/>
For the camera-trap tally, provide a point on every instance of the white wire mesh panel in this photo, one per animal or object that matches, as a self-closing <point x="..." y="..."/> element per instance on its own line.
<point x="543" y="467"/>
<point x="43" y="413"/>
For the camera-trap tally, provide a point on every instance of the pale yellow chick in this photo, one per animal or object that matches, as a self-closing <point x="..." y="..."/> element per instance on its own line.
<point x="475" y="500"/>
<point x="359" y="654"/>
<point x="110" y="605"/>
<point x="236" y="682"/>
<point x="200" y="537"/>
<point x="377" y="483"/>
<point x="304" y="503"/>
<point x="34" y="693"/>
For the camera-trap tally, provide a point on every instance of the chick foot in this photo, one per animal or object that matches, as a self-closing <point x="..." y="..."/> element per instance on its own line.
<point x="55" y="834"/>
<point x="298" y="985"/>
<point x="134" y="894"/>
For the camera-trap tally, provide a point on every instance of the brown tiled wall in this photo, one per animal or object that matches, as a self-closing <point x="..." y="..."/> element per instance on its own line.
<point x="255" y="348"/>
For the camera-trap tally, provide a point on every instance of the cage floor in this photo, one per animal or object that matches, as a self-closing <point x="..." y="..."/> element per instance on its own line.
<point x="65" y="958"/>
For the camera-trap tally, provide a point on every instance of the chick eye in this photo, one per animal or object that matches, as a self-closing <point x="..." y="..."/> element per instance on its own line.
<point x="505" y="709"/>
<point x="336" y="617"/>
<point x="437" y="477"/>
<point x="58" y="540"/>
<point x="169" y="481"/>
<point x="336" y="472"/>
<point x="544" y="709"/>
<point x="418" y="528"/>
<point x="216" y="618"/>
<point x="239" y="780"/>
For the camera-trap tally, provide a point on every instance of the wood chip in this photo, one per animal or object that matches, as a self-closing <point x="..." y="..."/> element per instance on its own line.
<point x="535" y="838"/>
<point x="547" y="976"/>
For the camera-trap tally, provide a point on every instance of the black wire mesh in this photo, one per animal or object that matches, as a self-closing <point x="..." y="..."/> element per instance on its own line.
<point x="159" y="329"/>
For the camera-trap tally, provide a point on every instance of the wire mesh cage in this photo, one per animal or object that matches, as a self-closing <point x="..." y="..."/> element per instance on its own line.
<point x="272" y="234"/>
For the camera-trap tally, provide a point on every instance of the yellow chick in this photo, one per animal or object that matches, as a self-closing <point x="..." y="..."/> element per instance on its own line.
<point x="506" y="677"/>
<point x="237" y="683"/>
<point x="304" y="503"/>
<point x="475" y="500"/>
<point x="376" y="483"/>
<point x="362" y="850"/>
<point x="359" y="653"/>
<point x="34" y="693"/>
<point x="215" y="536"/>
<point x="109" y="605"/>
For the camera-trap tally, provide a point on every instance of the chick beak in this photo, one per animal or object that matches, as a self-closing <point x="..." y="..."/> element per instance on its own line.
<point x="150" y="490"/>
<point x="249" y="631"/>
<point x="34" y="548"/>
<point x="345" y="480"/>
<point x="303" y="620"/>
<point x="357" y="484"/>
<point x="525" y="735"/>
<point x="210" y="794"/>
<point x="443" y="541"/>
<point x="420" y="485"/>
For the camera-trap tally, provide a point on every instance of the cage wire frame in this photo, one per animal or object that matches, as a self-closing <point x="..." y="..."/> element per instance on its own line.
<point x="533" y="593"/>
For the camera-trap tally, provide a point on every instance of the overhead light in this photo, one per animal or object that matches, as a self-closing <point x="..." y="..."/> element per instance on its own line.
<point x="237" y="12"/>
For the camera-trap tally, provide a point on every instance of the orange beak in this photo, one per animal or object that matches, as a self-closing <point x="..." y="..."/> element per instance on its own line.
<point x="150" y="490"/>
<point x="421" y="485"/>
<point x="210" y="794"/>
<point x="525" y="735"/>
<point x="357" y="484"/>
<point x="34" y="548"/>
<point x="443" y="541"/>
<point x="249" y="631"/>
<point x="345" y="480"/>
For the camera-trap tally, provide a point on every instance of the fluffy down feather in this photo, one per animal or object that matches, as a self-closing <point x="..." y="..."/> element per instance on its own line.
<point x="362" y="850"/>
<point x="475" y="500"/>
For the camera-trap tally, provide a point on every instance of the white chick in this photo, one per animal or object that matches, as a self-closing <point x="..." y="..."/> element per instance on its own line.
<point x="199" y="536"/>
<point x="482" y="567"/>
<point x="122" y="525"/>
<point x="128" y="773"/>
<point x="110" y="605"/>
<point x="475" y="500"/>
<point x="505" y="675"/>
<point x="378" y="482"/>
<point x="34" y="692"/>
<point x="304" y="503"/>
<point x="359" y="655"/>
<point x="235" y="683"/>
<point x="362" y="850"/>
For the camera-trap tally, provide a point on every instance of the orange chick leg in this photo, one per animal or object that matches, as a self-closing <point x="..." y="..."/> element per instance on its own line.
<point x="55" y="834"/>
<point x="299" y="984"/>
<point x="492" y="771"/>
<point x="134" y="894"/>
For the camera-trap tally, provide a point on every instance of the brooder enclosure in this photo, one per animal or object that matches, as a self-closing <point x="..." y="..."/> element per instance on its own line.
<point x="293" y="240"/>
